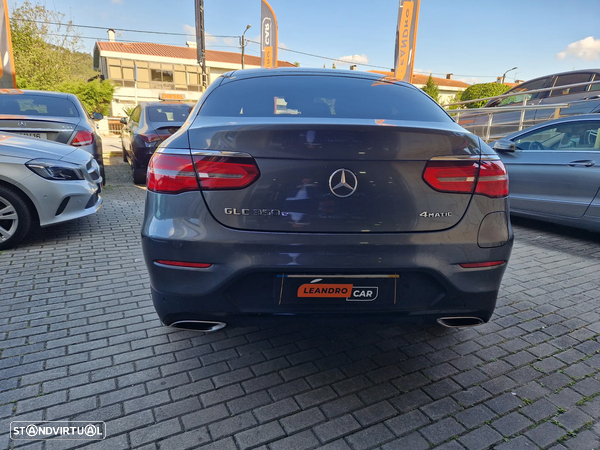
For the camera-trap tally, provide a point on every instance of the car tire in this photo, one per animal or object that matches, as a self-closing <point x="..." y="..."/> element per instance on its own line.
<point x="124" y="154"/>
<point x="139" y="175"/>
<point x="16" y="218"/>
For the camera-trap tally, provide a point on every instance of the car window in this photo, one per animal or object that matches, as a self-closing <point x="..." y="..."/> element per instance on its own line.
<point x="168" y="113"/>
<point x="321" y="96"/>
<point x="37" y="105"/>
<point x="572" y="78"/>
<point x="518" y="98"/>
<point x="566" y="136"/>
<point x="596" y="87"/>
<point x="135" y="115"/>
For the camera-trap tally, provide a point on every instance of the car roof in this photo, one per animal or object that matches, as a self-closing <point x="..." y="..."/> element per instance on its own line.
<point x="570" y="72"/>
<point x="39" y="93"/>
<point x="158" y="102"/>
<point x="286" y="71"/>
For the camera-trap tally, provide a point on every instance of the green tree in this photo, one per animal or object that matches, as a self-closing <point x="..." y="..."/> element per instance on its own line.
<point x="482" y="90"/>
<point x="432" y="89"/>
<point x="47" y="57"/>
<point x="95" y="95"/>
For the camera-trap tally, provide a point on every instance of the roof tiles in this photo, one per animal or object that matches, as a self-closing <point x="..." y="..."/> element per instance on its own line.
<point x="174" y="51"/>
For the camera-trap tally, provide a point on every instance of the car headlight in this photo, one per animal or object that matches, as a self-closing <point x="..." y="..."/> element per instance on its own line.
<point x="55" y="170"/>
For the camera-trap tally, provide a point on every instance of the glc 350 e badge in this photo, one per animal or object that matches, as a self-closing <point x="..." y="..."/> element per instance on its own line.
<point x="343" y="183"/>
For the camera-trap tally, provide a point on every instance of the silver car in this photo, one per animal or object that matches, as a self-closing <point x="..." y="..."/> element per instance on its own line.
<point x="328" y="195"/>
<point x="43" y="183"/>
<point x="554" y="171"/>
<point x="52" y="116"/>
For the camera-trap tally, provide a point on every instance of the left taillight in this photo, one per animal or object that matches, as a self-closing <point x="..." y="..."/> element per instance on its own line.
<point x="486" y="176"/>
<point x="173" y="174"/>
<point x="82" y="138"/>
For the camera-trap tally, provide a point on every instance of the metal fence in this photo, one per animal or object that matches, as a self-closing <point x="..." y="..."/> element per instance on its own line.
<point x="481" y="120"/>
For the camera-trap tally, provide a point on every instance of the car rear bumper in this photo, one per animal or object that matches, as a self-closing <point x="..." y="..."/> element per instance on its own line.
<point x="241" y="286"/>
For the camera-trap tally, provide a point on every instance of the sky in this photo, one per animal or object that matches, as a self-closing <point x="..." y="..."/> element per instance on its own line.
<point x="475" y="40"/>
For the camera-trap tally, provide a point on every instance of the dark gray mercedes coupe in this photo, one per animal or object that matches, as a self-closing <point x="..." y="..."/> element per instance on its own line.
<point x="325" y="195"/>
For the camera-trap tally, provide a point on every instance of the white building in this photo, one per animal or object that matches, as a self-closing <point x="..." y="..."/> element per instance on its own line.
<point x="150" y="72"/>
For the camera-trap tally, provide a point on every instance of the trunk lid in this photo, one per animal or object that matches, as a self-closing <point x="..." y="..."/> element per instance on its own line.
<point x="342" y="176"/>
<point x="57" y="129"/>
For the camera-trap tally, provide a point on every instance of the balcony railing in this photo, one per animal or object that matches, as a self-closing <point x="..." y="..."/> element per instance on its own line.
<point x="468" y="117"/>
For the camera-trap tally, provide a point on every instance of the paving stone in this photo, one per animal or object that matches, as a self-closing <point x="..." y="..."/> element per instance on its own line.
<point x="442" y="430"/>
<point x="407" y="422"/>
<point x="276" y="410"/>
<point x="336" y="428"/>
<point x="370" y="437"/>
<point x="302" y="420"/>
<point x="441" y="408"/>
<point x="511" y="424"/>
<point x="413" y="441"/>
<point x="481" y="438"/>
<point x="259" y="435"/>
<point x="545" y="434"/>
<point x="475" y="416"/>
<point x="232" y="425"/>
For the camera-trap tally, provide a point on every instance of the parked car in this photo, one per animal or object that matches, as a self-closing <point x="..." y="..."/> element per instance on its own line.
<point x="149" y="124"/>
<point x="53" y="116"/>
<point x="554" y="171"/>
<point x="581" y="99"/>
<point x="323" y="194"/>
<point x="43" y="183"/>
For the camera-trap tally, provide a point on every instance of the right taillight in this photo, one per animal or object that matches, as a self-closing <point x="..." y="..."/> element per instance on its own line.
<point x="173" y="174"/>
<point x="467" y="176"/>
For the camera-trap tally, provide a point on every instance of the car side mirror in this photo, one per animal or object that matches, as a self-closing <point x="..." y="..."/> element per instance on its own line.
<point x="123" y="120"/>
<point x="504" y="145"/>
<point x="97" y="116"/>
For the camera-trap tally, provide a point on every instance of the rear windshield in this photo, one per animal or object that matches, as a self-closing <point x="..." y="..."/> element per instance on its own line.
<point x="321" y="96"/>
<point x="37" y="105"/>
<point x="169" y="113"/>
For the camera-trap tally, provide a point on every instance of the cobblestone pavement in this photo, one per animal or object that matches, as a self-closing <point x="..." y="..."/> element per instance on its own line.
<point x="80" y="341"/>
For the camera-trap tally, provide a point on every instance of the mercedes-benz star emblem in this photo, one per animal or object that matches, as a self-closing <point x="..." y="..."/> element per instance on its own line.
<point x="22" y="124"/>
<point x="343" y="183"/>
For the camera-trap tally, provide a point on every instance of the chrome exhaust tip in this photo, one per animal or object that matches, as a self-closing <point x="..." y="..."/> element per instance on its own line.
<point x="453" y="322"/>
<point x="206" y="326"/>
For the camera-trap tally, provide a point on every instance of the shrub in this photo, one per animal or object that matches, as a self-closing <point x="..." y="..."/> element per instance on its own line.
<point x="482" y="90"/>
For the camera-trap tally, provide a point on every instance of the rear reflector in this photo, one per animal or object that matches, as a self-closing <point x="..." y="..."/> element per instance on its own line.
<point x="173" y="174"/>
<point x="82" y="138"/>
<point x="481" y="264"/>
<point x="183" y="264"/>
<point x="486" y="177"/>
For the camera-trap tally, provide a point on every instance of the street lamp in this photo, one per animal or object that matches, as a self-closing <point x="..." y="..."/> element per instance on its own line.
<point x="504" y="76"/>
<point x="244" y="44"/>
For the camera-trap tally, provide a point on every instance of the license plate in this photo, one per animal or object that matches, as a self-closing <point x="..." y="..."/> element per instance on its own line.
<point x="33" y="134"/>
<point x="336" y="289"/>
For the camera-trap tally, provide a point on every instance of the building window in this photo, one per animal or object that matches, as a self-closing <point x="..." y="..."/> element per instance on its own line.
<point x="151" y="75"/>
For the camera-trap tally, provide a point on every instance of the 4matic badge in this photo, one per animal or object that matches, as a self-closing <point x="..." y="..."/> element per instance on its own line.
<point x="430" y="215"/>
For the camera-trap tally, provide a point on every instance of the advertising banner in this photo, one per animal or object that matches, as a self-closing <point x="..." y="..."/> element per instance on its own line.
<point x="406" y="39"/>
<point x="7" y="64"/>
<point x="268" y="40"/>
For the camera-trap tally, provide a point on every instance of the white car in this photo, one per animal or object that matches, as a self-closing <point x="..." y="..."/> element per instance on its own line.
<point x="43" y="183"/>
